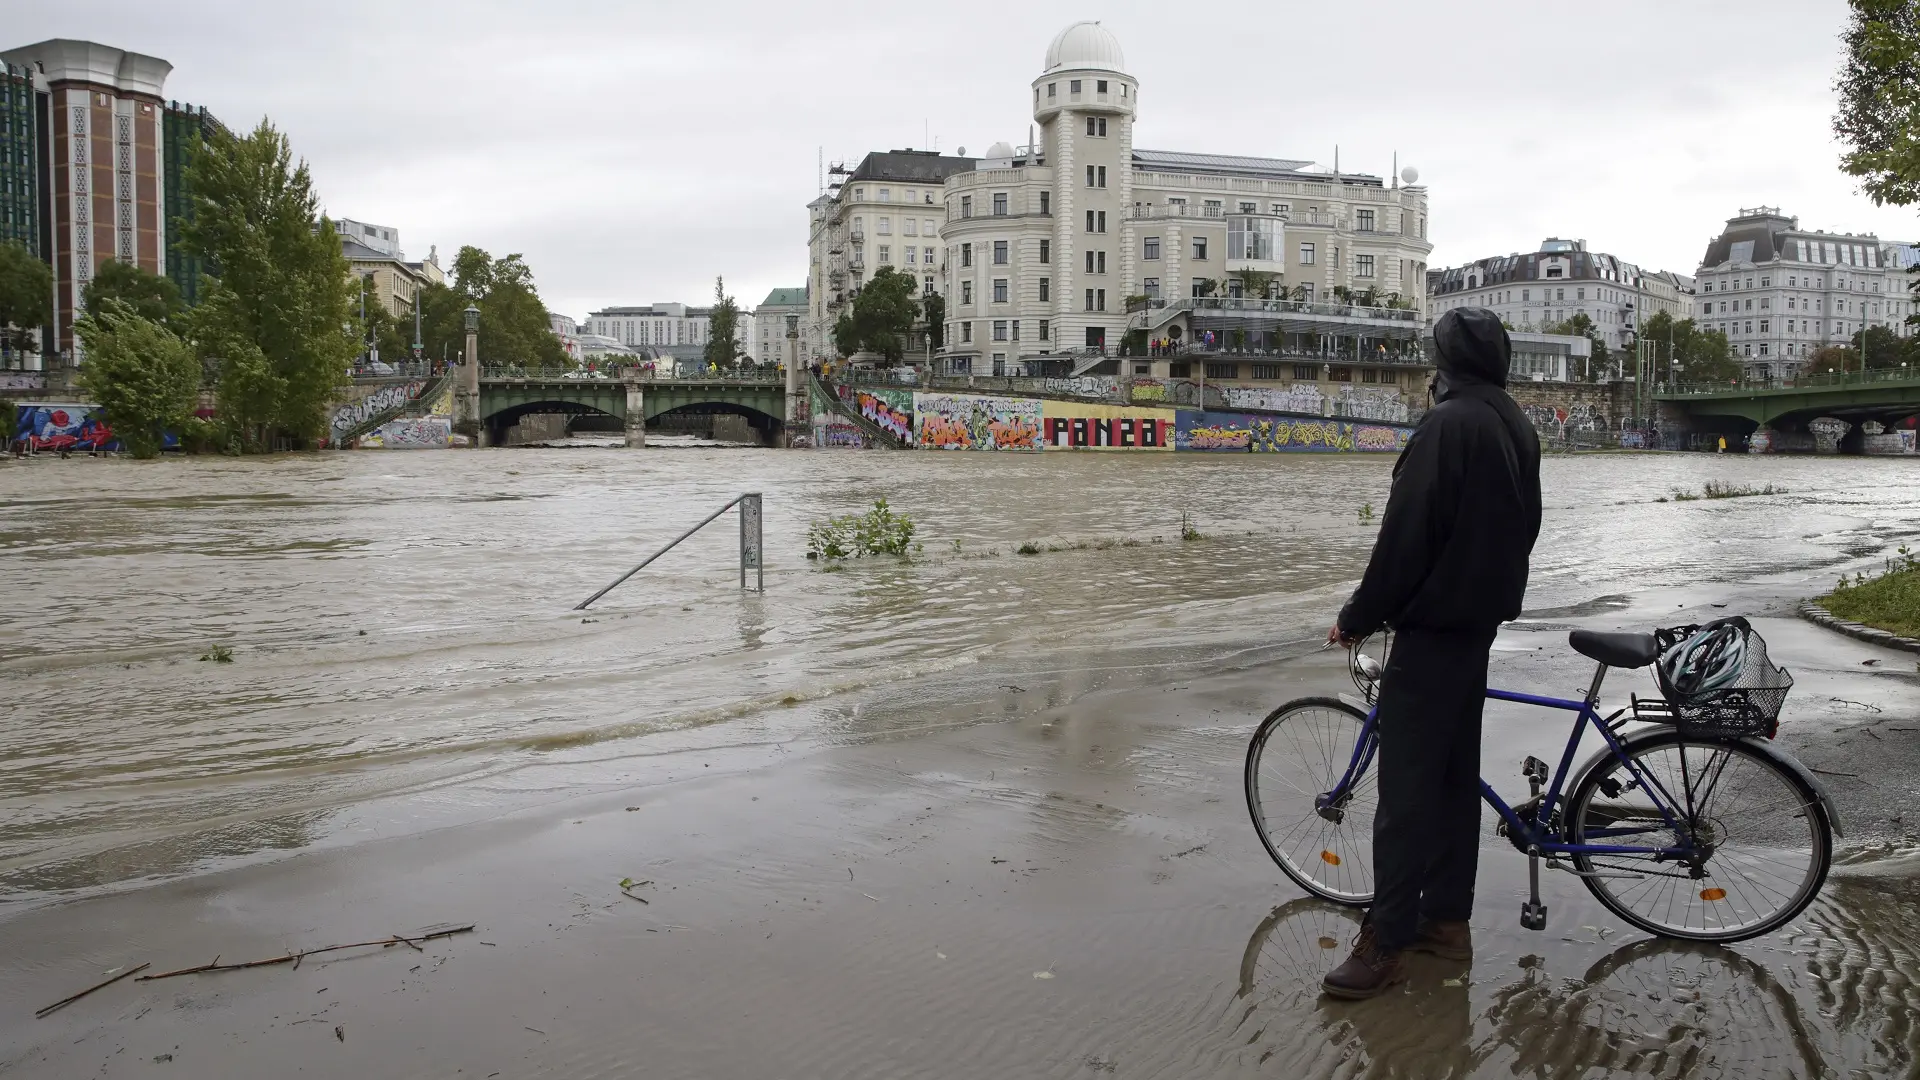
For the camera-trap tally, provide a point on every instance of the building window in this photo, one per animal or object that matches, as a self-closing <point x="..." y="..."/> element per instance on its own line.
<point x="907" y="227"/>
<point x="1089" y="303"/>
<point x="1099" y="299"/>
<point x="966" y="254"/>
<point x="1151" y="288"/>
<point x="999" y="329"/>
<point x="1046" y="202"/>
<point x="859" y="194"/>
<point x="1340" y="374"/>
<point x="1198" y="285"/>
<point x="1000" y="253"/>
<point x="1526" y="295"/>
<point x="1096" y="262"/>
<point x="1306" y="371"/>
<point x="1306" y="254"/>
<point x="1562" y="296"/>
<point x="1180" y="370"/>
<point x="1152" y="247"/>
<point x="1089" y="221"/>
<point x="1046" y="289"/>
<point x="999" y="204"/>
<point x="886" y="255"/>
<point x="1043" y="330"/>
<point x="1051" y="87"/>
<point x="1097" y="126"/>
<point x="966" y="206"/>
<point x="999" y="290"/>
<point x="1073" y="86"/>
<point x="1223" y="371"/>
<point x="1763" y="326"/>
<point x="1763" y="348"/>
<point x="886" y="194"/>
<point x="1046" y="251"/>
<point x="1016" y="329"/>
<point x="1200" y="248"/>
<point x="910" y="253"/>
<point x="966" y="333"/>
<point x="1369" y="375"/>
<point x="1363" y="265"/>
<point x="1363" y="220"/>
<point x="966" y="292"/>
<point x="1267" y="372"/>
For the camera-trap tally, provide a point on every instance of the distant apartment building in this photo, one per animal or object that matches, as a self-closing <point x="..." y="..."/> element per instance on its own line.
<point x="770" y="325"/>
<point x="1780" y="292"/>
<point x="666" y="329"/>
<point x="1563" y="279"/>
<point x="383" y="274"/>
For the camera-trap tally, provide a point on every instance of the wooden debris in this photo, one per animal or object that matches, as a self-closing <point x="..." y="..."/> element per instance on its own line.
<point x="295" y="957"/>
<point x="45" y="1011"/>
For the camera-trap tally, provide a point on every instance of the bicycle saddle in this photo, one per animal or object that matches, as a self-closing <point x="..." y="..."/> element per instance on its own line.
<point x="1615" y="650"/>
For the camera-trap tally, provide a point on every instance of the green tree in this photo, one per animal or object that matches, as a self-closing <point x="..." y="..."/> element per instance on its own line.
<point x="1833" y="360"/>
<point x="882" y="316"/>
<point x="277" y="321"/>
<point x="26" y="297"/>
<point x="933" y="309"/>
<point x="1256" y="283"/>
<point x="144" y="378"/>
<point x="381" y="327"/>
<point x="722" y="324"/>
<point x="1581" y="325"/>
<point x="150" y="295"/>
<point x="1684" y="352"/>
<point x="1878" y="348"/>
<point x="1879" y="89"/>
<point x="515" y="327"/>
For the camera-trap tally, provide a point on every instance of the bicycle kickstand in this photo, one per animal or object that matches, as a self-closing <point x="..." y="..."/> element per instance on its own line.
<point x="1533" y="913"/>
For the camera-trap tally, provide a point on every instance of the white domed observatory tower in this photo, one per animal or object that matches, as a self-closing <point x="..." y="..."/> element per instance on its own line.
<point x="1085" y="104"/>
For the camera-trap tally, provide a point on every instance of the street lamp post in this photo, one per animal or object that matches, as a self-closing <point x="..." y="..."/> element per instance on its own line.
<point x="796" y="413"/>
<point x="467" y="396"/>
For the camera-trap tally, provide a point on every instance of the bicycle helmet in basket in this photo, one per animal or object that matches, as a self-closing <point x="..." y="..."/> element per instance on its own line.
<point x="1709" y="659"/>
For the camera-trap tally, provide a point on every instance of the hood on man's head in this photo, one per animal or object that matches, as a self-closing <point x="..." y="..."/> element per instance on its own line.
<point x="1470" y="342"/>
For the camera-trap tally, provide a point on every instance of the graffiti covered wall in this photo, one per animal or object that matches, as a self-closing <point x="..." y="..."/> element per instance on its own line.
<point x="975" y="422"/>
<point x="1071" y="425"/>
<point x="1086" y="386"/>
<point x="354" y="413"/>
<point x="418" y="433"/>
<point x="891" y="409"/>
<point x="1244" y="433"/>
<point x="41" y="426"/>
<point x="829" y="427"/>
<point x="1304" y="398"/>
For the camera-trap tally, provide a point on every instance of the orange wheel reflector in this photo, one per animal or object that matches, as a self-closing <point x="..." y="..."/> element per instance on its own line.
<point x="1713" y="894"/>
<point x="1330" y="858"/>
<point x="1328" y="943"/>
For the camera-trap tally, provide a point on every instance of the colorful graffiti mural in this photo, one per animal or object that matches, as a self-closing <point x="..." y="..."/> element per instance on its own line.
<point x="1304" y="398"/>
<point x="830" y="428"/>
<point x="1363" y="403"/>
<point x="418" y="433"/>
<point x="891" y="409"/>
<point x="1244" y="433"/>
<point x="1087" y="386"/>
<point x="1070" y="425"/>
<point x="355" y="413"/>
<point x="975" y="422"/>
<point x="1140" y="390"/>
<point x="43" y="426"/>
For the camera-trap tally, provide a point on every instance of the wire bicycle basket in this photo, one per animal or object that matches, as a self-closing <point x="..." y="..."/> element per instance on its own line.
<point x="1751" y="706"/>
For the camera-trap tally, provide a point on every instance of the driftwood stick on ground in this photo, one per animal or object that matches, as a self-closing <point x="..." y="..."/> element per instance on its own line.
<point x="296" y="957"/>
<point x="43" y="1012"/>
<point x="408" y="943"/>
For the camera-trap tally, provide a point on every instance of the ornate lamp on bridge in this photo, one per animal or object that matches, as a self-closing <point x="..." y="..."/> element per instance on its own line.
<point x="796" y="418"/>
<point x="466" y="396"/>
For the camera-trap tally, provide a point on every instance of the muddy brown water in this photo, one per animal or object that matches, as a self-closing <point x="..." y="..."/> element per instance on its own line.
<point x="404" y="657"/>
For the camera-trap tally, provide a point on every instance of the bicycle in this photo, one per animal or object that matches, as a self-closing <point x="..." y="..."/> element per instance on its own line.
<point x="1696" y="827"/>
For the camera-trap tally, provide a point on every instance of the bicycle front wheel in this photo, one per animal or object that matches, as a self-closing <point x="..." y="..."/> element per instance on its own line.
<point x="1761" y="834"/>
<point x="1299" y="752"/>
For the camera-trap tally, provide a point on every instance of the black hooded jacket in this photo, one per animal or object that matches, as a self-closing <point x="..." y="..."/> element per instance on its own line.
<point x="1465" y="508"/>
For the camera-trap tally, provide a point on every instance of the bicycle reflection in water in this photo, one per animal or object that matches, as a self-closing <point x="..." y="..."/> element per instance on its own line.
<point x="1837" y="998"/>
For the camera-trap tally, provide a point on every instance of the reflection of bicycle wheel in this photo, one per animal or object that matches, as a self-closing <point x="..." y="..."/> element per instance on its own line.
<point x="1657" y="1008"/>
<point x="1296" y="945"/>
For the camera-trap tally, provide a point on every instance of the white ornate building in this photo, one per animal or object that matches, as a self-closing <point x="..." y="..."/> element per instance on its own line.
<point x="1559" y="281"/>
<point x="1779" y="292"/>
<point x="1043" y="249"/>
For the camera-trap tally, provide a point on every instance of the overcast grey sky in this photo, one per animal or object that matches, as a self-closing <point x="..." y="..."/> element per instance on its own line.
<point x="632" y="151"/>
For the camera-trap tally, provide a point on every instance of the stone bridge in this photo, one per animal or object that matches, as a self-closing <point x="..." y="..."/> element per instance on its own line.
<point x="636" y="401"/>
<point x="1887" y="396"/>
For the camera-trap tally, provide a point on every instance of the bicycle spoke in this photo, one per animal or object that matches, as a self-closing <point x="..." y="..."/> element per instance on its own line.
<point x="1304" y="755"/>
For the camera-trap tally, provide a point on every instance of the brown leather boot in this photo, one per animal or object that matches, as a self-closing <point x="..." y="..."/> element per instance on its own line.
<point x="1369" y="972"/>
<point x="1446" y="940"/>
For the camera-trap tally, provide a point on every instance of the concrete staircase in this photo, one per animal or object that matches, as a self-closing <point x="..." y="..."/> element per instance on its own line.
<point x="441" y="384"/>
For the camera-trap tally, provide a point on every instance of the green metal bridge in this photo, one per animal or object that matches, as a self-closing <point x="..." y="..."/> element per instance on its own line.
<point x="1888" y="396"/>
<point x="506" y="395"/>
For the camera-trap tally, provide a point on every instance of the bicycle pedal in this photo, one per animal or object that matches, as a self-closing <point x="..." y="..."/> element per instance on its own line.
<point x="1533" y="915"/>
<point x="1534" y="769"/>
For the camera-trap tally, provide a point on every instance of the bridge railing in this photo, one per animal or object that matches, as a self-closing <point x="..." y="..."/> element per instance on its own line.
<point x="1831" y="380"/>
<point x="760" y="375"/>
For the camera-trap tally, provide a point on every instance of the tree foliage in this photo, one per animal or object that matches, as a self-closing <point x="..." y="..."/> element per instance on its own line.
<point x="1691" y="353"/>
<point x="150" y="295"/>
<point x="142" y="375"/>
<point x="1600" y="363"/>
<point x="933" y="308"/>
<point x="722" y="348"/>
<point x="26" y="296"/>
<point x="883" y="315"/>
<point x="1833" y="360"/>
<point x="389" y="333"/>
<point x="1879" y="90"/>
<point x="515" y="327"/>
<point x="277" y="320"/>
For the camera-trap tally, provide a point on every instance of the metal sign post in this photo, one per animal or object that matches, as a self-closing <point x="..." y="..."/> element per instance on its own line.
<point x="750" y="542"/>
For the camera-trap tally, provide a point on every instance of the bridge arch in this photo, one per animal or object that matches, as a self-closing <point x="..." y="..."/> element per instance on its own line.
<point x="761" y="402"/>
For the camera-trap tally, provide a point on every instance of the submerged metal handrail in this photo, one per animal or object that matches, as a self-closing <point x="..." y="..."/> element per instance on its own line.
<point x="749" y="505"/>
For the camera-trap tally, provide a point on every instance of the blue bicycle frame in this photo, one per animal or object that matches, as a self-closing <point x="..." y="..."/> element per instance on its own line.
<point x="1539" y="834"/>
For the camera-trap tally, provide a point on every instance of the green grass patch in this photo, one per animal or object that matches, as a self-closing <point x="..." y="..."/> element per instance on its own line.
<point x="1889" y="600"/>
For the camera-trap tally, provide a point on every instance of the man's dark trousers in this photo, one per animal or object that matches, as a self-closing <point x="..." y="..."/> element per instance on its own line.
<point x="1426" y="834"/>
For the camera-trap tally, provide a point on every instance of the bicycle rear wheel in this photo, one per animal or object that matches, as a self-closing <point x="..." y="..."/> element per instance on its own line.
<point x="1300" y="751"/>
<point x="1762" y="832"/>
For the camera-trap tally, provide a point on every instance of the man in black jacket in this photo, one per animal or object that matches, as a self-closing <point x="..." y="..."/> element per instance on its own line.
<point x="1449" y="567"/>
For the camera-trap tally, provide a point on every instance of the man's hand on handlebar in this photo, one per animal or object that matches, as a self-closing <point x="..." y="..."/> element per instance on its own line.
<point x="1336" y="637"/>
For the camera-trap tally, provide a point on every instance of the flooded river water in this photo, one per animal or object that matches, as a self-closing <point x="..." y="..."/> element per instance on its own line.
<point x="403" y="622"/>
